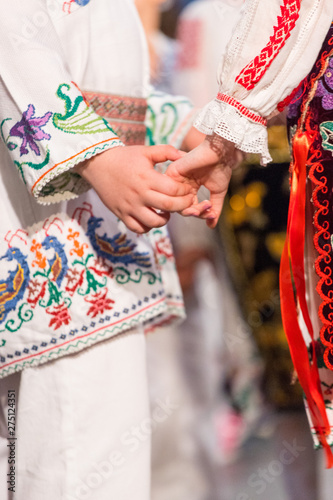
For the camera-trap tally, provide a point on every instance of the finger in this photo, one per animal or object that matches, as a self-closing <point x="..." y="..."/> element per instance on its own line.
<point x="166" y="185"/>
<point x="217" y="205"/>
<point x="182" y="153"/>
<point x="149" y="218"/>
<point x="134" y="225"/>
<point x="158" y="154"/>
<point x="166" y="203"/>
<point x="211" y="223"/>
<point x="197" y="209"/>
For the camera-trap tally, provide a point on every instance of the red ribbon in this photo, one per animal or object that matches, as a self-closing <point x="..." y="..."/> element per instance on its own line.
<point x="292" y="273"/>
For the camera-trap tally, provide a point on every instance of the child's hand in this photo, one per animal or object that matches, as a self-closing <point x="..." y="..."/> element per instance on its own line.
<point x="209" y="165"/>
<point x="125" y="180"/>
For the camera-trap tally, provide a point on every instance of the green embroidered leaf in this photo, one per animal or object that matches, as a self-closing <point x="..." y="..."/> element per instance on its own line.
<point x="326" y="132"/>
<point x="74" y="121"/>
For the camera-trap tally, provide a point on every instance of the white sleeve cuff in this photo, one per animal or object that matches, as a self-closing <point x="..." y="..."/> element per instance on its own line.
<point x="237" y="124"/>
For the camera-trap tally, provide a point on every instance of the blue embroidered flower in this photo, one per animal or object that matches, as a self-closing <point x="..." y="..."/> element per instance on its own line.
<point x="29" y="129"/>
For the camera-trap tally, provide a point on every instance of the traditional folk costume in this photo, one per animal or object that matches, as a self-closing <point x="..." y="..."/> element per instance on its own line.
<point x="250" y="227"/>
<point x="271" y="51"/>
<point x="73" y="279"/>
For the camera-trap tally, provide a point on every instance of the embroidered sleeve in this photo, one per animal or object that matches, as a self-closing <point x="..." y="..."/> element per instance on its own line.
<point x="168" y="119"/>
<point x="45" y="123"/>
<point x="271" y="51"/>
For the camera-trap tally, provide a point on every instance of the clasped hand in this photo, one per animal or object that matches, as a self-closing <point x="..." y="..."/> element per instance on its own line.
<point x="125" y="180"/>
<point x="210" y="164"/>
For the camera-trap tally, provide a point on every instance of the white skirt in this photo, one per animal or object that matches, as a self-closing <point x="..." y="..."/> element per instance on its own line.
<point x="82" y="426"/>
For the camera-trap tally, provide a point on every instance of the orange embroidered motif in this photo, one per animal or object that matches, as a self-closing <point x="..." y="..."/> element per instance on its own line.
<point x="40" y="259"/>
<point x="78" y="248"/>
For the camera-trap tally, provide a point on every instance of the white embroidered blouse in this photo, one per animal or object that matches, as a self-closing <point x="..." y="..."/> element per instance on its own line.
<point x="272" y="49"/>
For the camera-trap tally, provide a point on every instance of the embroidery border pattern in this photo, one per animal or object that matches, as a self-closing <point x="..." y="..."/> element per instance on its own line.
<point x="255" y="70"/>
<point x="148" y="313"/>
<point x="242" y="109"/>
<point x="125" y="115"/>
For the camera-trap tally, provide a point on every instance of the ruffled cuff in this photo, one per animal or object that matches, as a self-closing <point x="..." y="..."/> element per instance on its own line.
<point x="229" y="119"/>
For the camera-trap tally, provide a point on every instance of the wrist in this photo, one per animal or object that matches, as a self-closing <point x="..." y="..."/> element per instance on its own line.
<point x="219" y="147"/>
<point x="192" y="139"/>
<point x="86" y="169"/>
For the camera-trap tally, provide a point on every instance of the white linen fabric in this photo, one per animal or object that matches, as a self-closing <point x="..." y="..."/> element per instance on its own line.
<point x="71" y="273"/>
<point x="286" y="45"/>
<point x="82" y="425"/>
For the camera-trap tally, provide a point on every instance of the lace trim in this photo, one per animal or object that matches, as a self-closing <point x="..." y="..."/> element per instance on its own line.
<point x="230" y="123"/>
<point x="256" y="69"/>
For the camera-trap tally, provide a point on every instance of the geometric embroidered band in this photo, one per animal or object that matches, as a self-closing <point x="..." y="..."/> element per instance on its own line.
<point x="242" y="109"/>
<point x="126" y="115"/>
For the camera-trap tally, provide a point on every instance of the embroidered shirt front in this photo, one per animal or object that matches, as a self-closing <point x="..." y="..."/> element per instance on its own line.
<point x="71" y="274"/>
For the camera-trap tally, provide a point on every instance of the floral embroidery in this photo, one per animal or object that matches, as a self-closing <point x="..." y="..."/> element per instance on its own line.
<point x="29" y="129"/>
<point x="78" y="118"/>
<point x="71" y="296"/>
<point x="60" y="272"/>
<point x="326" y="132"/>
<point x="118" y="249"/>
<point x="60" y="315"/>
<point x="163" y="247"/>
<point x="325" y="87"/>
<point x="100" y="303"/>
<point x="13" y="287"/>
<point x="167" y="118"/>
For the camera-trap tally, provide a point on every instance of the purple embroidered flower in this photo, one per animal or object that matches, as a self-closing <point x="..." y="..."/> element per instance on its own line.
<point x="29" y="129"/>
<point x="325" y="87"/>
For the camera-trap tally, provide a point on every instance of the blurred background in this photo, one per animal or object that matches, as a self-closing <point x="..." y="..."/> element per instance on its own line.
<point x="236" y="427"/>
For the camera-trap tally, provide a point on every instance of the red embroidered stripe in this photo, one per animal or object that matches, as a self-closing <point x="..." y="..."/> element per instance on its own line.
<point x="242" y="109"/>
<point x="283" y="104"/>
<point x="256" y="69"/>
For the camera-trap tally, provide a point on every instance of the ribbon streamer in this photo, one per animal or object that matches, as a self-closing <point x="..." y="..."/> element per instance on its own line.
<point x="292" y="276"/>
